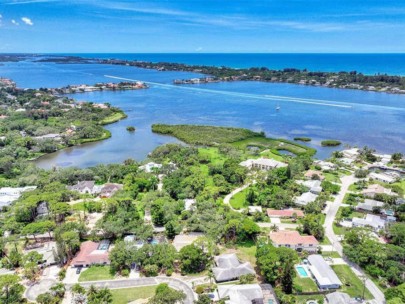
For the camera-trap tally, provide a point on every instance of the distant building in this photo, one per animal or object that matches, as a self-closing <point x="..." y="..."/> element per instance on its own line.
<point x="85" y="187"/>
<point x="285" y="213"/>
<point x="254" y="209"/>
<point x="371" y="220"/>
<point x="305" y="198"/>
<point x="325" y="165"/>
<point x="293" y="240"/>
<point x="240" y="294"/>
<point x="229" y="268"/>
<point x="324" y="275"/>
<point x="92" y="253"/>
<point x="351" y="153"/>
<point x="263" y="164"/>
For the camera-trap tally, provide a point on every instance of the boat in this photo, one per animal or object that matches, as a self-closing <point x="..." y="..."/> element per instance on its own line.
<point x="277" y="108"/>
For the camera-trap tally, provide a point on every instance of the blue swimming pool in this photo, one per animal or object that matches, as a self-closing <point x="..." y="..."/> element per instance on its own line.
<point x="302" y="271"/>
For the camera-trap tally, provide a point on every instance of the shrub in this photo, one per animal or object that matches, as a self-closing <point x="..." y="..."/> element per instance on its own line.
<point x="305" y="139"/>
<point x="62" y="274"/>
<point x="130" y="129"/>
<point x="125" y="272"/>
<point x="169" y="272"/>
<point x="247" y="278"/>
<point x="199" y="289"/>
<point x="330" y="143"/>
<point x="151" y="270"/>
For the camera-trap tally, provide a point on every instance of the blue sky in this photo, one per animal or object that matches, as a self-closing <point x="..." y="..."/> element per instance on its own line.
<point x="190" y="26"/>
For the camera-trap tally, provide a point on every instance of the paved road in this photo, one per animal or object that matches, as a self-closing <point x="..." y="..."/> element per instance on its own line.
<point x="330" y="218"/>
<point x="227" y="198"/>
<point x="126" y="283"/>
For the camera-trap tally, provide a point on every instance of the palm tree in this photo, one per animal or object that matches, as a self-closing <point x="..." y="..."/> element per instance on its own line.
<point x="58" y="290"/>
<point x="274" y="228"/>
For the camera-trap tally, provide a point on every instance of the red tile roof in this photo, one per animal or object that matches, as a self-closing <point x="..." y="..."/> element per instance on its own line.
<point x="284" y="213"/>
<point x="89" y="254"/>
<point x="292" y="238"/>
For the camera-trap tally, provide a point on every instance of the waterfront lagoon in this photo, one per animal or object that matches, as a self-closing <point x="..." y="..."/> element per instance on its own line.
<point x="350" y="116"/>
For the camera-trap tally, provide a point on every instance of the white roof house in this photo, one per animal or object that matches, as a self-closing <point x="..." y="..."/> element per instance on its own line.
<point x="374" y="189"/>
<point x="369" y="205"/>
<point x="230" y="268"/>
<point x="305" y="198"/>
<point x="254" y="209"/>
<point x="371" y="220"/>
<point x="9" y="194"/>
<point x="240" y="294"/>
<point x="325" y="165"/>
<point x="382" y="177"/>
<point x="313" y="185"/>
<point x="338" y="297"/>
<point x="351" y="153"/>
<point x="148" y="168"/>
<point x="324" y="275"/>
<point x="263" y="164"/>
<point x="189" y="204"/>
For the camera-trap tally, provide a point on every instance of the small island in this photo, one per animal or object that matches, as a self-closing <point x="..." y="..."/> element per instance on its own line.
<point x="304" y="139"/>
<point x="330" y="143"/>
<point x="131" y="129"/>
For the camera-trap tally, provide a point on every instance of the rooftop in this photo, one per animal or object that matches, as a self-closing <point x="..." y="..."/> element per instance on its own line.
<point x="322" y="272"/>
<point x="284" y="213"/>
<point x="286" y="237"/>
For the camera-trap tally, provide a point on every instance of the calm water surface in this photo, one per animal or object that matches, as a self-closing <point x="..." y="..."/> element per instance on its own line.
<point x="354" y="117"/>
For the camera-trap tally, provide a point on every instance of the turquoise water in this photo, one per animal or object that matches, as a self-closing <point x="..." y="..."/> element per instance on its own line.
<point x="302" y="272"/>
<point x="354" y="117"/>
<point x="365" y="63"/>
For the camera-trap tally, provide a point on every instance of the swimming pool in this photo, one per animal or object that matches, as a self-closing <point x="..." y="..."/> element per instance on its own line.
<point x="302" y="271"/>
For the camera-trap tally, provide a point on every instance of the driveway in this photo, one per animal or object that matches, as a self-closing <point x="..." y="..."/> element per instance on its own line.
<point x="227" y="198"/>
<point x="42" y="286"/>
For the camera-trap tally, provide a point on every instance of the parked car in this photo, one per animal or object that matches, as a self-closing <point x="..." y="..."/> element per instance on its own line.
<point x="78" y="270"/>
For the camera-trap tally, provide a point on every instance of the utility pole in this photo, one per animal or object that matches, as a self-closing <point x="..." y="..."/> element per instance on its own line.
<point x="364" y="279"/>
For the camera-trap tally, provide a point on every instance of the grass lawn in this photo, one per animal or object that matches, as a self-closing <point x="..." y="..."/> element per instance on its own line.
<point x="126" y="295"/>
<point x="400" y="184"/>
<point x="325" y="241"/>
<point x="307" y="284"/>
<point x="212" y="154"/>
<point x="246" y="251"/>
<point x="347" y="276"/>
<point x="96" y="273"/>
<point x="113" y="118"/>
<point x="330" y="177"/>
<point x="339" y="230"/>
<point x="332" y="254"/>
<point x="270" y="154"/>
<point x="305" y="299"/>
<point x="238" y="201"/>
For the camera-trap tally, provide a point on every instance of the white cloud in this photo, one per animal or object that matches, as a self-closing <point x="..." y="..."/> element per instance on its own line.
<point x="27" y="21"/>
<point x="14" y="22"/>
<point x="199" y="49"/>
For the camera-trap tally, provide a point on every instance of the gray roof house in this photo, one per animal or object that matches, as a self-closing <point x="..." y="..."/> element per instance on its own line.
<point x="369" y="205"/>
<point x="338" y="297"/>
<point x="305" y="198"/>
<point x="324" y="275"/>
<point x="230" y="268"/>
<point x="241" y="294"/>
<point x="84" y="187"/>
<point x="371" y="220"/>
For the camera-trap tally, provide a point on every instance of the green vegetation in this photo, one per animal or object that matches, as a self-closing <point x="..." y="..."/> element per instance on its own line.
<point x="304" y="284"/>
<point x="304" y="299"/>
<point x="351" y="283"/>
<point x="205" y="135"/>
<point x="113" y="118"/>
<point x="131" y="129"/>
<point x="126" y="295"/>
<point x="330" y="143"/>
<point x="304" y="139"/>
<point x="238" y="201"/>
<point x="96" y="273"/>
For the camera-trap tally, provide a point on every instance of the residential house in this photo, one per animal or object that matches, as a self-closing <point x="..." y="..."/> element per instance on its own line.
<point x="285" y="213"/>
<point x="293" y="240"/>
<point x="324" y="275"/>
<point x="313" y="185"/>
<point x="371" y="220"/>
<point x="85" y="187"/>
<point x="182" y="240"/>
<point x="338" y="297"/>
<point x="240" y="294"/>
<point x="254" y="209"/>
<point x="229" y="268"/>
<point x="374" y="189"/>
<point x="189" y="204"/>
<point x="42" y="209"/>
<point x="150" y="167"/>
<point x="109" y="189"/>
<point x="325" y="165"/>
<point x="351" y="153"/>
<point x="263" y="164"/>
<point x="383" y="177"/>
<point x="9" y="194"/>
<point x="369" y="205"/>
<point x="92" y="253"/>
<point x="305" y="198"/>
<point x="314" y="174"/>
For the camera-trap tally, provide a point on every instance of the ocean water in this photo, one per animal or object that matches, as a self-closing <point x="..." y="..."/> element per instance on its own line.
<point x="354" y="117"/>
<point x="393" y="64"/>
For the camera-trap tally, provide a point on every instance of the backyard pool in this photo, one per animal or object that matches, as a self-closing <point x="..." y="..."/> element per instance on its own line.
<point x="302" y="272"/>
